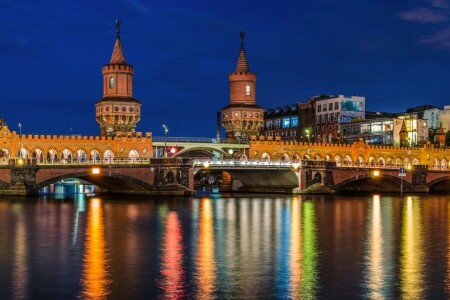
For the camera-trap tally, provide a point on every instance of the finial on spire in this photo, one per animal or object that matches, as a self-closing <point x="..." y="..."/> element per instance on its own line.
<point x="242" y="38"/>
<point x="118" y="23"/>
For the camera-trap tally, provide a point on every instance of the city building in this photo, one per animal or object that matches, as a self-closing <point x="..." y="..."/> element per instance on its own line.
<point x="417" y="131"/>
<point x="242" y="117"/>
<point x="378" y="128"/>
<point x="444" y="118"/>
<point x="118" y="111"/>
<point x="282" y="122"/>
<point x="307" y="120"/>
<point x="332" y="110"/>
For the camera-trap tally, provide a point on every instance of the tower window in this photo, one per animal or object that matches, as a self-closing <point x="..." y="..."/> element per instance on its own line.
<point x="247" y="90"/>
<point x="111" y="82"/>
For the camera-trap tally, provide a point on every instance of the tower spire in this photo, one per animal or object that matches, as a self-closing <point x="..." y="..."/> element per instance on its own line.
<point x="242" y="64"/>
<point x="117" y="56"/>
<point x="118" y="23"/>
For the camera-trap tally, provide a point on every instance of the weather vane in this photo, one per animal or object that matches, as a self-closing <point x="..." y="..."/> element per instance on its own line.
<point x="118" y="23"/>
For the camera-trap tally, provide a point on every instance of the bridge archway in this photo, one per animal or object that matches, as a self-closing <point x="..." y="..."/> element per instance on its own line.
<point x="367" y="183"/>
<point x="107" y="180"/>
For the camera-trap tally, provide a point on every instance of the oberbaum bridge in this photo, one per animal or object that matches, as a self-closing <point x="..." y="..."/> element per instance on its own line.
<point x="123" y="160"/>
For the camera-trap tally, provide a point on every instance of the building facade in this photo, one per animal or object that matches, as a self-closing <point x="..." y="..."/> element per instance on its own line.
<point x="332" y="110"/>
<point x="282" y="122"/>
<point x="242" y="117"/>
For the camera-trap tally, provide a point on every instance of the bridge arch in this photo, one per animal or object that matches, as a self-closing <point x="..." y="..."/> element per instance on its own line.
<point x="106" y="180"/>
<point x="382" y="179"/>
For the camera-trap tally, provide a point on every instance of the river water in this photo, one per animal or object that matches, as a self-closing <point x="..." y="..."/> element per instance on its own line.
<point x="225" y="246"/>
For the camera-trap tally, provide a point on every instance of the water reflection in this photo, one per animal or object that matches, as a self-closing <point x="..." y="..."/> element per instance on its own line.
<point x="172" y="259"/>
<point x="20" y="264"/>
<point x="206" y="269"/>
<point x="95" y="279"/>
<point x="411" y="262"/>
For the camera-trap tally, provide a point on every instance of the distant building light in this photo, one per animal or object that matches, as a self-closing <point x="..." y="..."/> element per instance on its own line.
<point x="95" y="171"/>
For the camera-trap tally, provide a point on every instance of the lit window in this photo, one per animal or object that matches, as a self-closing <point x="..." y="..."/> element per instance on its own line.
<point x="286" y="122"/>
<point x="294" y="121"/>
<point x="111" y="82"/>
<point x="247" y="90"/>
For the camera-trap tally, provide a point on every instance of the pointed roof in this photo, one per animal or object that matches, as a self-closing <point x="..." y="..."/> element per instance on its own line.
<point x="117" y="56"/>
<point x="242" y="64"/>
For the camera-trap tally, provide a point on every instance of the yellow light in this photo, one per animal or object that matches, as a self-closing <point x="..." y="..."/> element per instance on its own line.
<point x="206" y="164"/>
<point x="20" y="161"/>
<point x="95" y="171"/>
<point x="376" y="173"/>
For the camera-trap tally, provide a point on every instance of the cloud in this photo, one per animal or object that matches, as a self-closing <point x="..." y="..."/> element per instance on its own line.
<point x="439" y="3"/>
<point x="423" y="15"/>
<point x="440" y="39"/>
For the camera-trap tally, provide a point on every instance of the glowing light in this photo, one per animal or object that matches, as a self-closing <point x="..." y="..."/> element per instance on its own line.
<point x="95" y="171"/>
<point x="95" y="275"/>
<point x="20" y="161"/>
<point x="411" y="260"/>
<point x="172" y="259"/>
<point x="206" y="268"/>
<point x="296" y="165"/>
<point x="206" y="164"/>
<point x="173" y="150"/>
<point x="376" y="173"/>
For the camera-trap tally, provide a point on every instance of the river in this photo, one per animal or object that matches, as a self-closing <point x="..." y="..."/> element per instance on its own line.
<point x="225" y="246"/>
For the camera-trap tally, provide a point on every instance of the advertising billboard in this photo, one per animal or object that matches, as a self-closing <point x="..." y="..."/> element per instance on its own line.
<point x="352" y="111"/>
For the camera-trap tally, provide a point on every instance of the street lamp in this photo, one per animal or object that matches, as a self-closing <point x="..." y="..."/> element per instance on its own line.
<point x="165" y="138"/>
<point x="20" y="140"/>
<point x="307" y="134"/>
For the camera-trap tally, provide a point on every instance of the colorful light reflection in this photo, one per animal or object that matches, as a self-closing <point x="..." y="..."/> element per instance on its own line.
<point x="172" y="259"/>
<point x="95" y="274"/>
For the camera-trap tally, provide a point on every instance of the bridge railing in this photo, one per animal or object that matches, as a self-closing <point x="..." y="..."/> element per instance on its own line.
<point x="96" y="162"/>
<point x="198" y="140"/>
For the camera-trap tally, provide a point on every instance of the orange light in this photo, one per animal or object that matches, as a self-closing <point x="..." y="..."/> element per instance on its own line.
<point x="376" y="173"/>
<point x="95" y="171"/>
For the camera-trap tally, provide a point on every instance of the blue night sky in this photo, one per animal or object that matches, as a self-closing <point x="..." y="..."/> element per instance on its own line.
<point x="395" y="53"/>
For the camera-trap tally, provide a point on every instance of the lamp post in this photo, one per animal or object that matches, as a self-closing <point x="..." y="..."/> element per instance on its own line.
<point x="165" y="138"/>
<point x="307" y="135"/>
<point x="20" y="140"/>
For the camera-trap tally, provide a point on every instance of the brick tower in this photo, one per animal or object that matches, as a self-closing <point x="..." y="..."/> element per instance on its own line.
<point x="242" y="117"/>
<point x="117" y="110"/>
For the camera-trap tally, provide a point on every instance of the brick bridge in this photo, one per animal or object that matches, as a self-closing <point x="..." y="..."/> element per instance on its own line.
<point x="318" y="176"/>
<point x="171" y="176"/>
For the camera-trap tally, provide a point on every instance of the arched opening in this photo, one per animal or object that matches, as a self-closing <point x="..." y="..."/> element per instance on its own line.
<point x="94" y="156"/>
<point x="371" y="161"/>
<point x="381" y="162"/>
<point x="265" y="157"/>
<point x="80" y="156"/>
<point x="337" y="159"/>
<point x="108" y="156"/>
<point x="285" y="157"/>
<point x="52" y="156"/>
<point x="360" y="161"/>
<point x="133" y="155"/>
<point x="66" y="156"/>
<point x="444" y="164"/>
<point x="348" y="161"/>
<point x="327" y="157"/>
<point x="416" y="161"/>
<point x="38" y="155"/>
